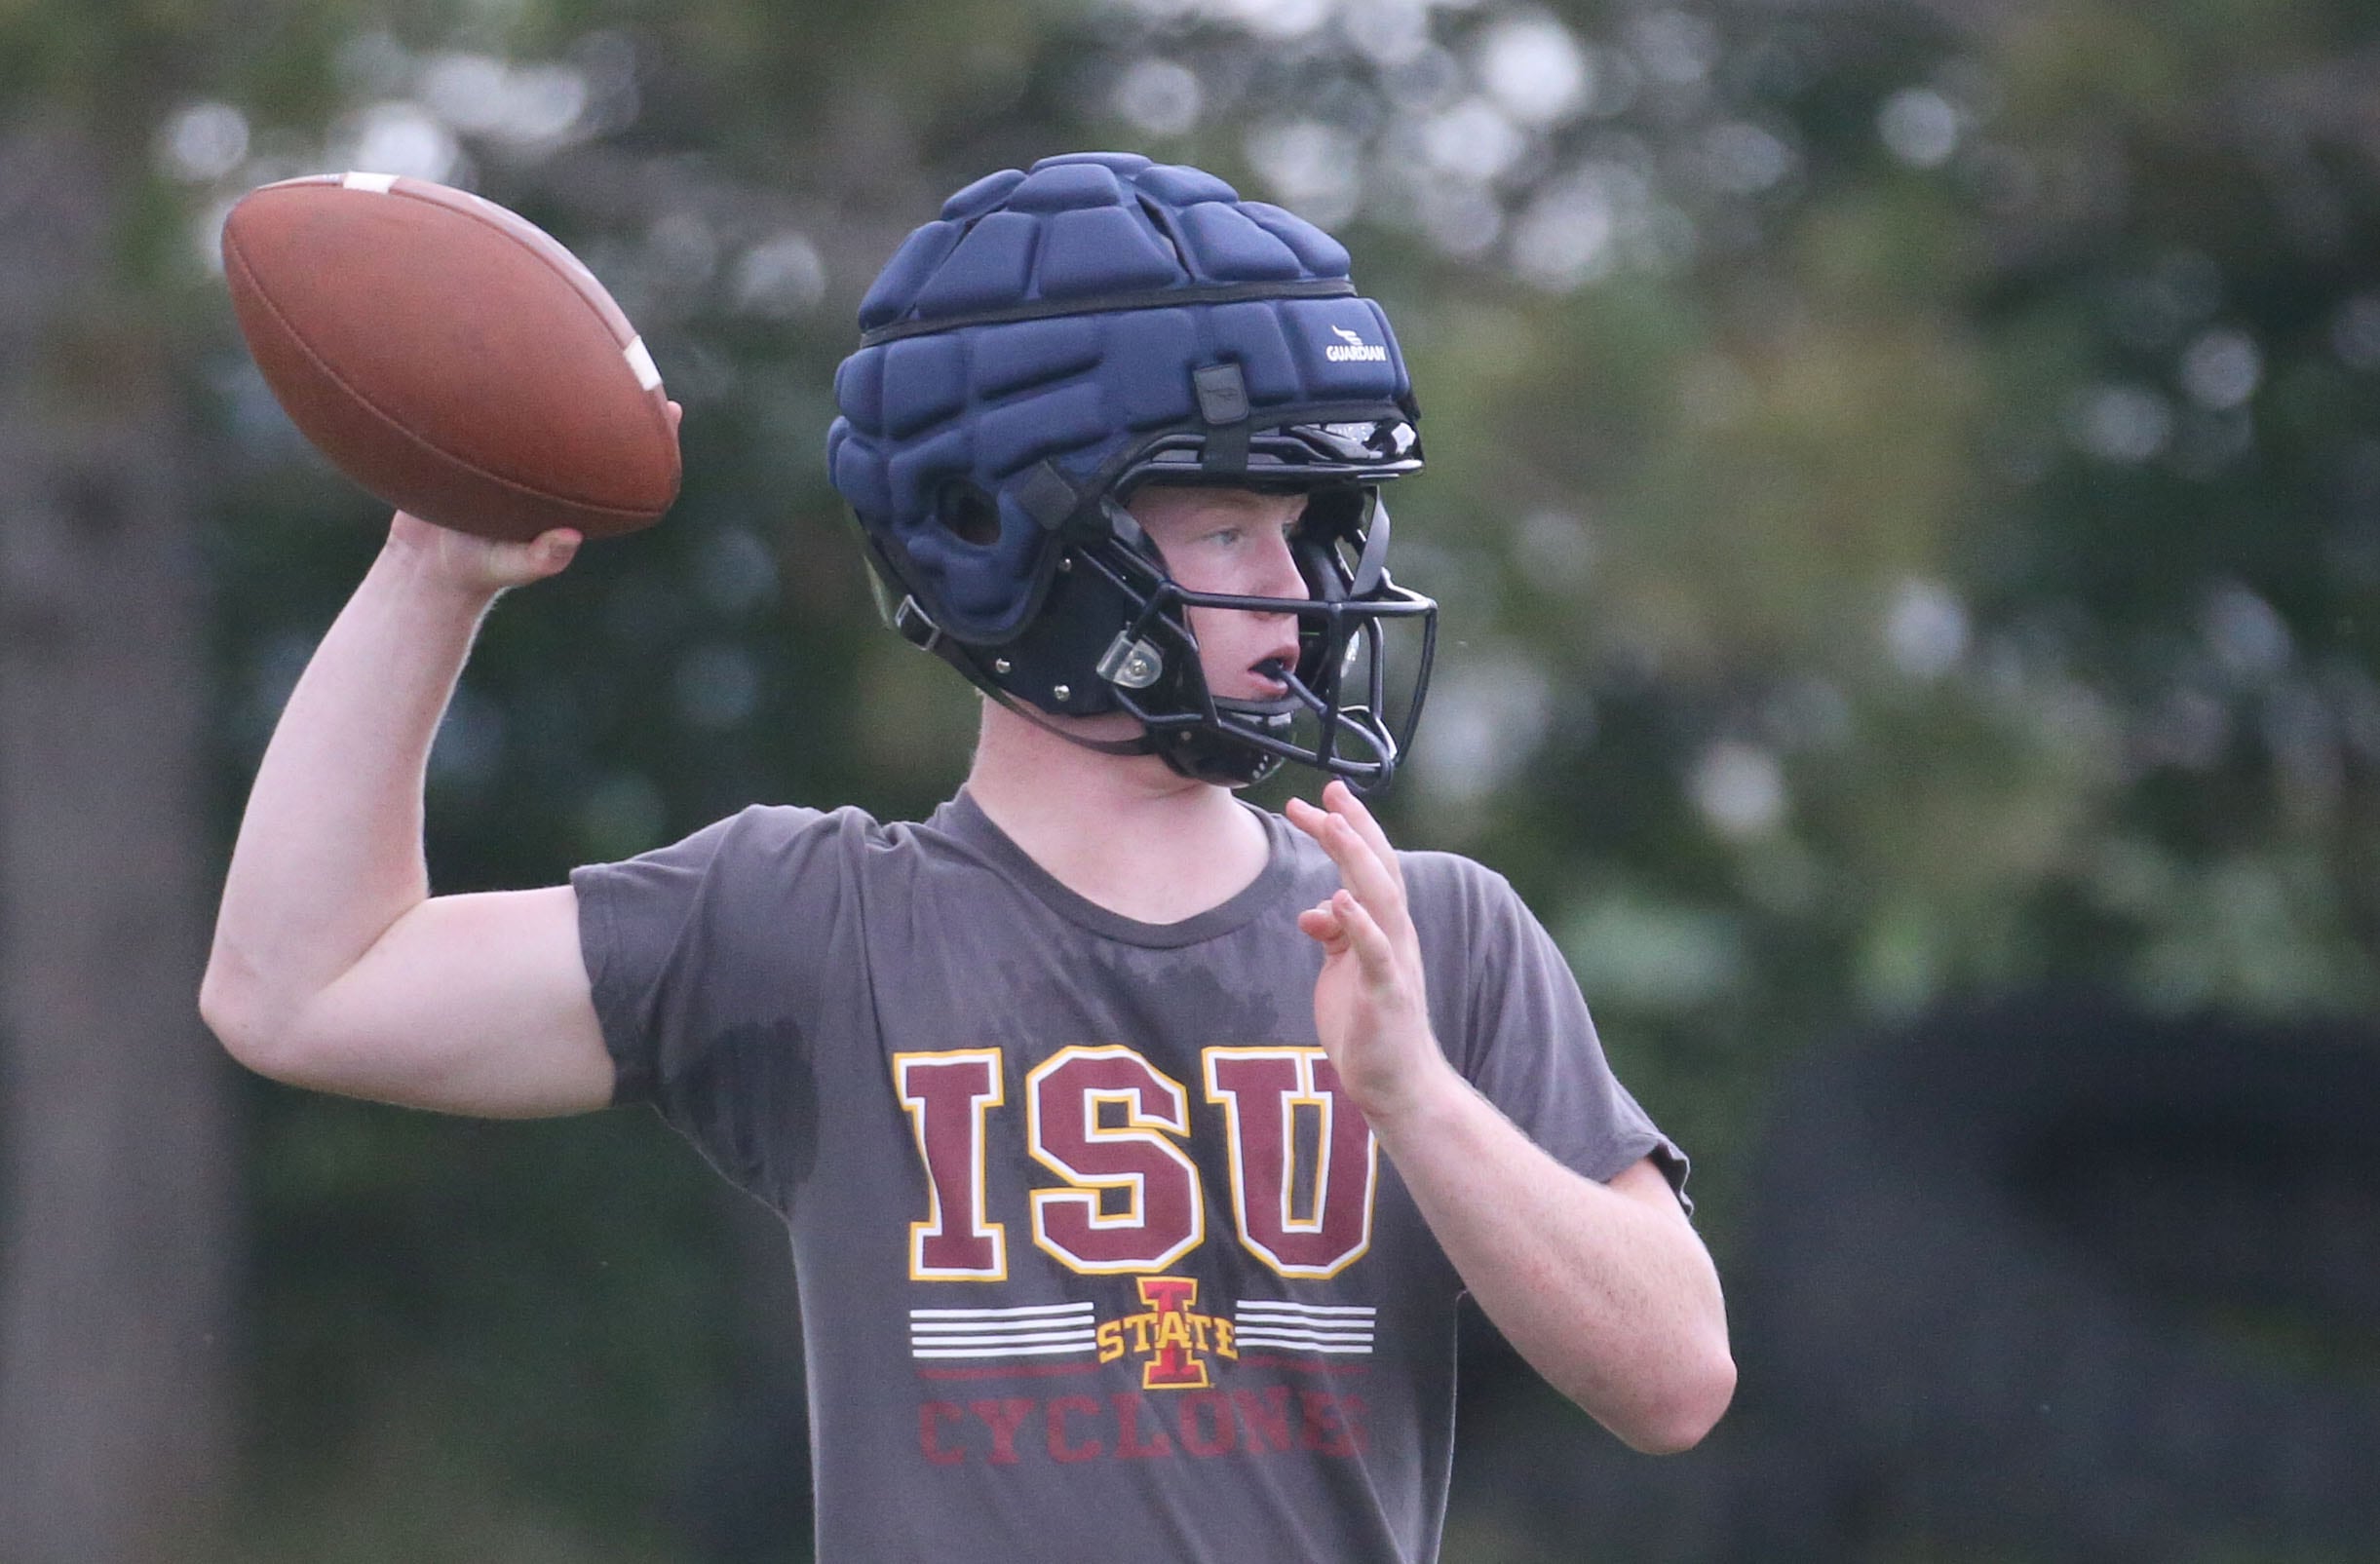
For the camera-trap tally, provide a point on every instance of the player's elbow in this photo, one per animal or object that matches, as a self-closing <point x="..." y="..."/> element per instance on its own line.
<point x="239" y="1010"/>
<point x="1697" y="1395"/>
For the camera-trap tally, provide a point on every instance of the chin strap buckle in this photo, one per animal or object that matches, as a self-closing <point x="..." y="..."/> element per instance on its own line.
<point x="915" y="627"/>
<point x="1130" y="663"/>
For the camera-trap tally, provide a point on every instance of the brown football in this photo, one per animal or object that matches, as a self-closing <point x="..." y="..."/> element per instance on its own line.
<point x="451" y="356"/>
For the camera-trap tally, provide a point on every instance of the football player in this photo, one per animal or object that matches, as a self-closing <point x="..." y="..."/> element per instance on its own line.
<point x="1135" y="1144"/>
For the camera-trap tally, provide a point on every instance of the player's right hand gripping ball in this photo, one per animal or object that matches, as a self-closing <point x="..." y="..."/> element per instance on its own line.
<point x="451" y="356"/>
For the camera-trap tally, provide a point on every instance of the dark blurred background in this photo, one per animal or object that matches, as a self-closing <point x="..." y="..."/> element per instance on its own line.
<point x="1905" y="489"/>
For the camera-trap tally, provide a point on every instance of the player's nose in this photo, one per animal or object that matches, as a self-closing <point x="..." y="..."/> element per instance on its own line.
<point x="1281" y="576"/>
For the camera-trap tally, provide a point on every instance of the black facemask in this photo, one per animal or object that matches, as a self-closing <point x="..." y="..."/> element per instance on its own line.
<point x="1114" y="609"/>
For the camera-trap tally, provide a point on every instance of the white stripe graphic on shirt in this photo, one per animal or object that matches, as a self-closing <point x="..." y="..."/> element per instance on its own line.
<point x="1034" y="1330"/>
<point x="1303" y="1327"/>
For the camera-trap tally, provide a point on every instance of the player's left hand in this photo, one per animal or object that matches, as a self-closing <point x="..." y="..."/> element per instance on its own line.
<point x="1371" y="1002"/>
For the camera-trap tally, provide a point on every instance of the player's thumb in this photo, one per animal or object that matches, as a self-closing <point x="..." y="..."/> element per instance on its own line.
<point x="550" y="553"/>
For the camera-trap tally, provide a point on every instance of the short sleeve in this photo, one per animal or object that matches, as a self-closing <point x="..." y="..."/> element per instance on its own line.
<point x="1513" y="1020"/>
<point x="699" y="957"/>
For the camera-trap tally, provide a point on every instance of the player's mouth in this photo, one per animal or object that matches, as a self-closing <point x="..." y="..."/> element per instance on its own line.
<point x="1269" y="670"/>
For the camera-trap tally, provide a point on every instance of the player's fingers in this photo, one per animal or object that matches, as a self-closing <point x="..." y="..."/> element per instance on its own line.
<point x="1387" y="902"/>
<point x="1361" y="868"/>
<point x="1365" y="863"/>
<point x="1341" y="800"/>
<point x="1323" y="928"/>
<point x="485" y="563"/>
<point x="1334" y="832"/>
<point x="1372" y="877"/>
<point x="1316" y="825"/>
<point x="1370" y="943"/>
<point x="677" y="416"/>
<point x="1314" y="822"/>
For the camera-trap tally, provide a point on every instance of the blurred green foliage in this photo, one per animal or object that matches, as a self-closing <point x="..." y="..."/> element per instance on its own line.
<point x="1903" y="484"/>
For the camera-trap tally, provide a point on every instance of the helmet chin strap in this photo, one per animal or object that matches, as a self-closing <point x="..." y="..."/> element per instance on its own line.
<point x="1198" y="753"/>
<point x="1142" y="746"/>
<point x="1224" y="759"/>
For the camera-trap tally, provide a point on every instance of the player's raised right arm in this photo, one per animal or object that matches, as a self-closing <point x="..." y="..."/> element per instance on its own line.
<point x="333" y="967"/>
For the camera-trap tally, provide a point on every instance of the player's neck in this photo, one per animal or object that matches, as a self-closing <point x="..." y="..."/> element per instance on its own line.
<point x="1123" y="831"/>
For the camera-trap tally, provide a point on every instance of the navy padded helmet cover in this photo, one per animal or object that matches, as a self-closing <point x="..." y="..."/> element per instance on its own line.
<point x="980" y="405"/>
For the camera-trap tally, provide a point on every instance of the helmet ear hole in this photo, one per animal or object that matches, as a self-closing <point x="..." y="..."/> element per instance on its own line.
<point x="968" y="514"/>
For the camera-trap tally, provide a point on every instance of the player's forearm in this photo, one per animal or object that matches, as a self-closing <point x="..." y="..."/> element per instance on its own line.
<point x="329" y="851"/>
<point x="1613" y="1300"/>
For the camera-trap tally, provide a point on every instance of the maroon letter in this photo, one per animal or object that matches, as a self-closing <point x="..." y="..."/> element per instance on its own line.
<point x="1267" y="1416"/>
<point x="1004" y="1418"/>
<point x="1127" y="1432"/>
<point x="1061" y="1447"/>
<point x="1226" y="1436"/>
<point x="931" y="1416"/>
<point x="948" y="1095"/>
<point x="1134" y="1164"/>
<point x="1327" y="1429"/>
<point x="1302" y="1222"/>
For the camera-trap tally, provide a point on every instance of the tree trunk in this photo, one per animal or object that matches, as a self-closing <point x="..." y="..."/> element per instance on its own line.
<point x="116" y="1172"/>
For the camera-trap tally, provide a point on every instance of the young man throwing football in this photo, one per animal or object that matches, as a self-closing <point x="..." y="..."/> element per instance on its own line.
<point x="1136" y="1145"/>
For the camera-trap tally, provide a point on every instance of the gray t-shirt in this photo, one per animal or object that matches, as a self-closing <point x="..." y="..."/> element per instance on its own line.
<point x="1095" y="1261"/>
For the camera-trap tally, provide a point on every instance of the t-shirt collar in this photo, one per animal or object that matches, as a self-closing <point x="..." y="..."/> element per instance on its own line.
<point x="963" y="820"/>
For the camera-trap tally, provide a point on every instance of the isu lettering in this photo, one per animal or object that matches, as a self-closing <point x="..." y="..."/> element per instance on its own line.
<point x="1112" y="1127"/>
<point x="1132" y="1200"/>
<point x="1202" y="1425"/>
<point x="948" y="1095"/>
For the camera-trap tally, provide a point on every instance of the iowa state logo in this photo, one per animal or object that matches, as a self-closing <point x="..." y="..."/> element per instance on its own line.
<point x="1122" y="1198"/>
<point x="1171" y="1335"/>
<point x="1128" y="1199"/>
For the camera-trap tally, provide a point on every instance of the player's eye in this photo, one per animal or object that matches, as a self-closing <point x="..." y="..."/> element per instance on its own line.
<point x="1240" y="532"/>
